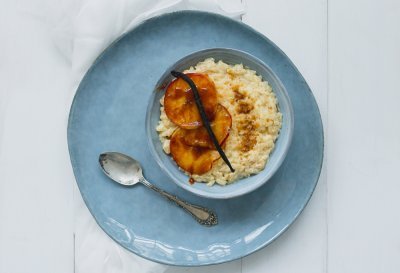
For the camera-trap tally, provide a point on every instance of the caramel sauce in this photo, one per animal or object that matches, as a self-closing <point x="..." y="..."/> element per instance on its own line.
<point x="162" y="86"/>
<point x="182" y="108"/>
<point x="179" y="101"/>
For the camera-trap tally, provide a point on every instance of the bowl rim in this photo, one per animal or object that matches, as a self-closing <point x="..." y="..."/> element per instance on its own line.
<point x="239" y="191"/>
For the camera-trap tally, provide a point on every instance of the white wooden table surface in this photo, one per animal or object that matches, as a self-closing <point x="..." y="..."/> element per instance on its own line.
<point x="349" y="53"/>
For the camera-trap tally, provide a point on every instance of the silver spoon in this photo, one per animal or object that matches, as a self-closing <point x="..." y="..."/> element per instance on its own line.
<point x="127" y="171"/>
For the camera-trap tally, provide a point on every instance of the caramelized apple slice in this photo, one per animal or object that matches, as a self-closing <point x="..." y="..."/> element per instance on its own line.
<point x="179" y="103"/>
<point x="194" y="160"/>
<point x="221" y="125"/>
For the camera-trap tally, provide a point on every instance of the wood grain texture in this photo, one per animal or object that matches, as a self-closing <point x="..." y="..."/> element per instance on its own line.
<point x="299" y="28"/>
<point x="36" y="232"/>
<point x="231" y="267"/>
<point x="350" y="225"/>
<point x="364" y="146"/>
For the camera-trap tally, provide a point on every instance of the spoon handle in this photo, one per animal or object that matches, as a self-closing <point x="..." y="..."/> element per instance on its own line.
<point x="202" y="215"/>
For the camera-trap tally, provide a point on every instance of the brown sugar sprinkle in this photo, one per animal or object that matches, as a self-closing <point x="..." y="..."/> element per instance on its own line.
<point x="247" y="129"/>
<point x="244" y="107"/>
<point x="246" y="126"/>
<point x="237" y="94"/>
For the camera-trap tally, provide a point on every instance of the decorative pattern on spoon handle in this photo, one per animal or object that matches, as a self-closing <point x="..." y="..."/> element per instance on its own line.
<point x="202" y="215"/>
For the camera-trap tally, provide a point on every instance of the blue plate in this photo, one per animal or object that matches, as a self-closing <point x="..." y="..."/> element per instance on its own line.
<point x="108" y="114"/>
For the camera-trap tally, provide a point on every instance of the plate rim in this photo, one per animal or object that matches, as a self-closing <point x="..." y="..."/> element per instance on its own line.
<point x="74" y="167"/>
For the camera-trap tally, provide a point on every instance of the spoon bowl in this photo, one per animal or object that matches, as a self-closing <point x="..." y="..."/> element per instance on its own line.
<point x="121" y="168"/>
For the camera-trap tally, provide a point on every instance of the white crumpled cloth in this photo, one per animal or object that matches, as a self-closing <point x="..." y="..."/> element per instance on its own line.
<point x="81" y="30"/>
